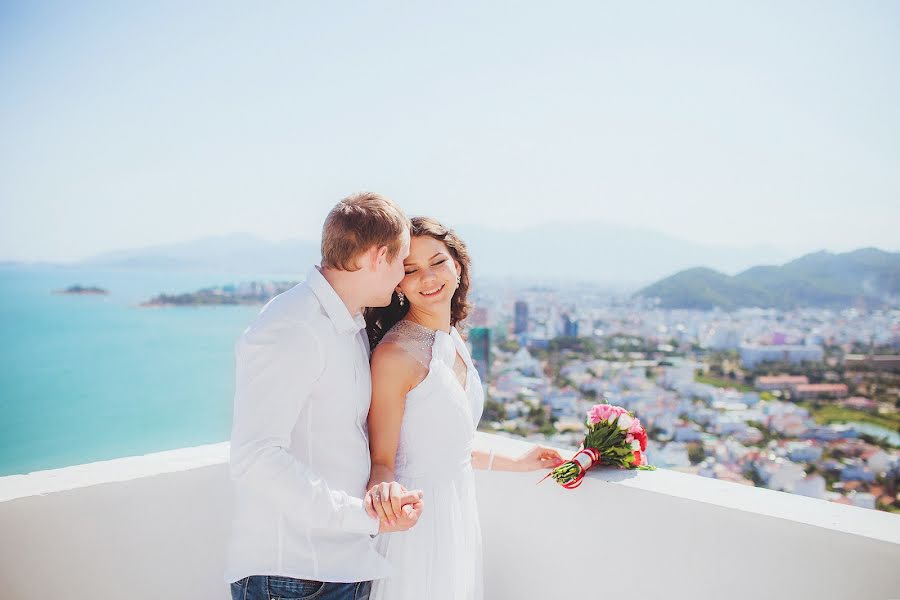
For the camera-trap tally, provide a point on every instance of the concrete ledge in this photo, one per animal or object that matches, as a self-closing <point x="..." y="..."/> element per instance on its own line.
<point x="155" y="527"/>
<point x="878" y="525"/>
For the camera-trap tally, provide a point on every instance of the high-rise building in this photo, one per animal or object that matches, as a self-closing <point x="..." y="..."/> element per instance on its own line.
<point x="570" y="326"/>
<point x="521" y="317"/>
<point x="480" y="340"/>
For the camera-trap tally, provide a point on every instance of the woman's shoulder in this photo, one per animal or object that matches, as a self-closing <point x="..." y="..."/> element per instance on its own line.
<point x="389" y="351"/>
<point x="389" y="354"/>
<point x="393" y="364"/>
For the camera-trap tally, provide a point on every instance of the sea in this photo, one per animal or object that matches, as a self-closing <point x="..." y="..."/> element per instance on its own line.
<point x="85" y="378"/>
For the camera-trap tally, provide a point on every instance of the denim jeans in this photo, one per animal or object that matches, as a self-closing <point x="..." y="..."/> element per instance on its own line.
<point x="269" y="587"/>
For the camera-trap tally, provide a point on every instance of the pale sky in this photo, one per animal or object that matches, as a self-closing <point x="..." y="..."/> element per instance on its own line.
<point x="719" y="122"/>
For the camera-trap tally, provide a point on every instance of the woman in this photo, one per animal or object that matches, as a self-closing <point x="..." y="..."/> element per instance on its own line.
<point x="427" y="400"/>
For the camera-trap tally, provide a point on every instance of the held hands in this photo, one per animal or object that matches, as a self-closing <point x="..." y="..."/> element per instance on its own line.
<point x="539" y="457"/>
<point x="396" y="508"/>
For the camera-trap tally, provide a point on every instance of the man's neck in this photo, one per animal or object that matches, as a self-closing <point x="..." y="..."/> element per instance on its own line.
<point x="346" y="287"/>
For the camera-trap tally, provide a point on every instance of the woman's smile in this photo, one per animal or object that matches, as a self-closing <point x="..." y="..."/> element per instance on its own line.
<point x="433" y="292"/>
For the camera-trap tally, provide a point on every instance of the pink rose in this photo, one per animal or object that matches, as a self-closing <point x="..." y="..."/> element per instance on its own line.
<point x="629" y="438"/>
<point x="635" y="426"/>
<point x="599" y="413"/>
<point x="617" y="410"/>
<point x="602" y="413"/>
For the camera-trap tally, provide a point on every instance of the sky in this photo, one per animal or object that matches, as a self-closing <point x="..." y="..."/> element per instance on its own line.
<point x="126" y="124"/>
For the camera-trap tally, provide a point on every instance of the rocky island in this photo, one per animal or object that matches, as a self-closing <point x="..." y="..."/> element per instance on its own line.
<point x="83" y="290"/>
<point x="253" y="292"/>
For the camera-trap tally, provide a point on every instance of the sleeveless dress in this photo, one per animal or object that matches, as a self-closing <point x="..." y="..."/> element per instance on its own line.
<point x="440" y="557"/>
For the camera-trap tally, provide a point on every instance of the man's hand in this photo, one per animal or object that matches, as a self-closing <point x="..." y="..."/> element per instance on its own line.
<point x="396" y="508"/>
<point x="409" y="514"/>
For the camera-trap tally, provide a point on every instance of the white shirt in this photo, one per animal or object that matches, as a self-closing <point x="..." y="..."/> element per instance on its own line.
<point x="299" y="443"/>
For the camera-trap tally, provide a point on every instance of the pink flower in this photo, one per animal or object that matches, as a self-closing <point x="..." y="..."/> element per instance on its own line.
<point x="629" y="438"/>
<point x="599" y="413"/>
<point x="635" y="426"/>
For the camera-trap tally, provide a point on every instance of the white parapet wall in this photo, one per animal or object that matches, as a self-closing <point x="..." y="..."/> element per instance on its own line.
<point x="155" y="526"/>
<point x="664" y="534"/>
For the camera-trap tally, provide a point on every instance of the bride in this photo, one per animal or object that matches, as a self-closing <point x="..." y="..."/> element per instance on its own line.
<point x="427" y="399"/>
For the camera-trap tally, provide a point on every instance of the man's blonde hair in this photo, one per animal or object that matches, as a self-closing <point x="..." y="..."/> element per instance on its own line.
<point x="357" y="223"/>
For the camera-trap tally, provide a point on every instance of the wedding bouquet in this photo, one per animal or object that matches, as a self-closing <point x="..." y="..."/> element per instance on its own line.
<point x="614" y="437"/>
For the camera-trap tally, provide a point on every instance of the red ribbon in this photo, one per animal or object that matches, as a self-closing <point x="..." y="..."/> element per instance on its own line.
<point x="593" y="457"/>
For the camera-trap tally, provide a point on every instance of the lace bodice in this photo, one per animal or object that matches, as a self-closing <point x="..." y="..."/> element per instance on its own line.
<point x="416" y="339"/>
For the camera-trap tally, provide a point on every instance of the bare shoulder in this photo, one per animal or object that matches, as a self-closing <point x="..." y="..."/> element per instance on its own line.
<point x="390" y="355"/>
<point x="393" y="364"/>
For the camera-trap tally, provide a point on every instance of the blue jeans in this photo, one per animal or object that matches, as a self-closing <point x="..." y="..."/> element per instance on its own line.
<point x="269" y="587"/>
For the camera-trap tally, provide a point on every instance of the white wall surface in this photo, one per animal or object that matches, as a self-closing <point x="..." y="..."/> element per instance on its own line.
<point x="155" y="527"/>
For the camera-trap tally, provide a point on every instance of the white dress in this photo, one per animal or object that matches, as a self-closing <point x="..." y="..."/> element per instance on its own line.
<point x="440" y="557"/>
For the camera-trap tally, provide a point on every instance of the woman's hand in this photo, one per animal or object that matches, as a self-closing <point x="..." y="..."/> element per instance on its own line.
<point x="385" y="500"/>
<point x="395" y="507"/>
<point x="539" y="457"/>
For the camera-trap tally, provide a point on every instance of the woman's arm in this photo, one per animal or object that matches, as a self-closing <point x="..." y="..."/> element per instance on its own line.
<point x="392" y="370"/>
<point x="538" y="457"/>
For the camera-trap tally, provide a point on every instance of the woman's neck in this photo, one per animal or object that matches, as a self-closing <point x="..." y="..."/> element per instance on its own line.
<point x="430" y="319"/>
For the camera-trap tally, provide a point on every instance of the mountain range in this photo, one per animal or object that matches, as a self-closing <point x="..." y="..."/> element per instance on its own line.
<point x="867" y="277"/>
<point x="626" y="258"/>
<point x="587" y="252"/>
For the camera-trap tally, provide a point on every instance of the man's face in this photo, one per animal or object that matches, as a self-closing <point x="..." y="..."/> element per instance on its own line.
<point x="392" y="273"/>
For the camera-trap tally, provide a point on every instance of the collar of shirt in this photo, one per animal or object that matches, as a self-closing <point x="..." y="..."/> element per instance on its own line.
<point x="334" y="307"/>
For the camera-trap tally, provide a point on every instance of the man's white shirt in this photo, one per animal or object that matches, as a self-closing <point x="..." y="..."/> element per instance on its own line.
<point x="299" y="444"/>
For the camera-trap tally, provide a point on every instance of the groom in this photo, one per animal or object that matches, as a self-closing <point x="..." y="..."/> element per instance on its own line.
<point x="299" y="442"/>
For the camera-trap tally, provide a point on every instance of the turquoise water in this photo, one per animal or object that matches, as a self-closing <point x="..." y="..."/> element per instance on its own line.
<point x="86" y="378"/>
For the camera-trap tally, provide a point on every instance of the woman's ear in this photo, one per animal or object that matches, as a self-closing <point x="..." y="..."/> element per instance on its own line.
<point x="458" y="267"/>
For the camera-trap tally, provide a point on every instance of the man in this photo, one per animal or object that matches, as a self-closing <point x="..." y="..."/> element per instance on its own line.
<point x="299" y="443"/>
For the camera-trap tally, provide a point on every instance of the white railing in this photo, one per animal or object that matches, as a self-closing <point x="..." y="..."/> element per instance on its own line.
<point x="155" y="527"/>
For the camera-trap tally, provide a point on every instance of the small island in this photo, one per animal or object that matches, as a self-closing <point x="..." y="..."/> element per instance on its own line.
<point x="248" y="293"/>
<point x="81" y="290"/>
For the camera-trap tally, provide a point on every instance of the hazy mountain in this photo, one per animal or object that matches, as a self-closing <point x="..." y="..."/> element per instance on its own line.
<point x="552" y="252"/>
<point x="238" y="252"/>
<point x="868" y="276"/>
<point x="598" y="252"/>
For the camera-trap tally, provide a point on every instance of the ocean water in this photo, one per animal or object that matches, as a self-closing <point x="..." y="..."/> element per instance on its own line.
<point x="87" y="378"/>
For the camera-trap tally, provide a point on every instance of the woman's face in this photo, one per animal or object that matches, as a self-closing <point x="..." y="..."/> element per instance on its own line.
<point x="431" y="272"/>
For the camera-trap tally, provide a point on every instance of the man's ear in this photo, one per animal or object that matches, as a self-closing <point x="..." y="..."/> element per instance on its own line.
<point x="368" y="260"/>
<point x="380" y="255"/>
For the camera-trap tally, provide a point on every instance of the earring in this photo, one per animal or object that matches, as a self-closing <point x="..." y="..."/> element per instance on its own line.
<point x="401" y="296"/>
<point x="458" y="278"/>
